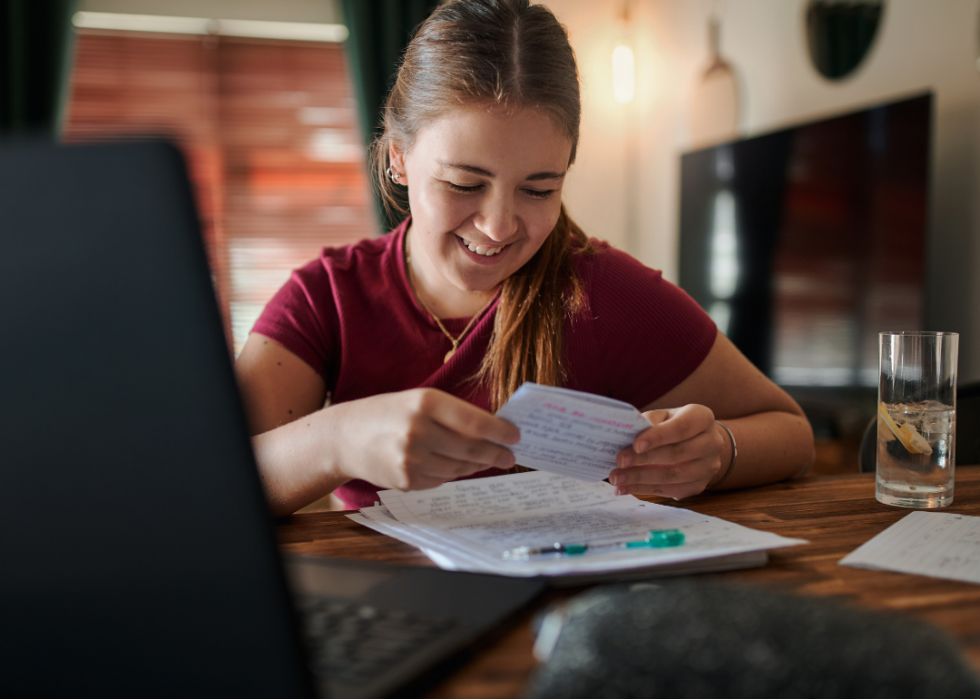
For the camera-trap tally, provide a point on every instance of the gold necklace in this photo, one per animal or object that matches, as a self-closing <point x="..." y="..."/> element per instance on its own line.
<point x="454" y="340"/>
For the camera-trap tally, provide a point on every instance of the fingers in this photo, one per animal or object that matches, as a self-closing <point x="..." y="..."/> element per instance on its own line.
<point x="656" y="417"/>
<point x="437" y="470"/>
<point x="677" y="435"/>
<point x="674" y="491"/>
<point x="671" y="474"/>
<point x="678" y="452"/>
<point x="672" y="426"/>
<point x="675" y="458"/>
<point x="466" y="419"/>
<point x="460" y="448"/>
<point x="444" y="438"/>
<point x="417" y="439"/>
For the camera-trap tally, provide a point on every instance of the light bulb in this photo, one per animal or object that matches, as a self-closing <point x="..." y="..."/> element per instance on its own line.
<point x="623" y="78"/>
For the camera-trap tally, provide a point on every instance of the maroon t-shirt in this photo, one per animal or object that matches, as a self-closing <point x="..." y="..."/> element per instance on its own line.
<point x="351" y="315"/>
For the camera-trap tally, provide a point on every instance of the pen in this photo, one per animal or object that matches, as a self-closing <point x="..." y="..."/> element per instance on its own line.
<point x="656" y="539"/>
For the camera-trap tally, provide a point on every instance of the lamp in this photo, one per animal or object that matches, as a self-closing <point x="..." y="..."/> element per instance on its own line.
<point x="623" y="65"/>
<point x="623" y="77"/>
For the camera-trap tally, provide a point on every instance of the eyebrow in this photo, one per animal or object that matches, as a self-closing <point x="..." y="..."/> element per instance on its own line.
<point x="486" y="173"/>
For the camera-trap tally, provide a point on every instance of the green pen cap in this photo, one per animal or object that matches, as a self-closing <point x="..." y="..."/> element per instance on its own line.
<point x="665" y="538"/>
<point x="575" y="549"/>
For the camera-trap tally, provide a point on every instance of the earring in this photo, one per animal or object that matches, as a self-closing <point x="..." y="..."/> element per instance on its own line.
<point x="394" y="177"/>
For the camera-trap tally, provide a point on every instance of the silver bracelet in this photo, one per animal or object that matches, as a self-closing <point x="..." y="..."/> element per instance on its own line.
<point x="731" y="464"/>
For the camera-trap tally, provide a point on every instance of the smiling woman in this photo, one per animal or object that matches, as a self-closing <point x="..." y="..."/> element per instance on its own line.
<point x="481" y="127"/>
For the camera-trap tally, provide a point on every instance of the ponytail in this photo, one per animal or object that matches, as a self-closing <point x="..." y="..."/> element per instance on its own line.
<point x="526" y="344"/>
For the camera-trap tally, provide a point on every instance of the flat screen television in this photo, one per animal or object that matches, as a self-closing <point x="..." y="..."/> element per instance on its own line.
<point x="804" y="243"/>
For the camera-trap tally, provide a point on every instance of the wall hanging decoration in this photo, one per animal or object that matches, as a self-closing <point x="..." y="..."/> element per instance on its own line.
<point x="715" y="107"/>
<point x="840" y="33"/>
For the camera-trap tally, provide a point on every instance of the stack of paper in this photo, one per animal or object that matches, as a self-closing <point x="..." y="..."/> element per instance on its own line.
<point x="469" y="525"/>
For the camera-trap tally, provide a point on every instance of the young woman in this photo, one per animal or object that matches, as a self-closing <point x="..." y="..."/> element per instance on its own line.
<point x="417" y="337"/>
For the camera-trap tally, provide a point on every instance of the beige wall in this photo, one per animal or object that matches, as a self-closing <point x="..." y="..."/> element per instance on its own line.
<point x="624" y="186"/>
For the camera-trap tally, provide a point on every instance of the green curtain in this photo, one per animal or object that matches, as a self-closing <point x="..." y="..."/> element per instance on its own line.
<point x="379" y="31"/>
<point x="35" y="64"/>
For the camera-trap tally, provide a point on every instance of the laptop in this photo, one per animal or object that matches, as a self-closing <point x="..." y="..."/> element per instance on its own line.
<point x="137" y="555"/>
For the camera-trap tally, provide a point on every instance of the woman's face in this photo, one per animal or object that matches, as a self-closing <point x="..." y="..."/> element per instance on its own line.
<point x="484" y="188"/>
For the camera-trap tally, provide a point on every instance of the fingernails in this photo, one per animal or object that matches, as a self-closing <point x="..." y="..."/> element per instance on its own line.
<point x="641" y="446"/>
<point x="621" y="491"/>
<point x="615" y="478"/>
<point x="625" y="460"/>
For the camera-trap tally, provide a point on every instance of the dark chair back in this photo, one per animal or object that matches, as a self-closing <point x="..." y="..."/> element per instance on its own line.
<point x="967" y="430"/>
<point x="866" y="457"/>
<point x="968" y="424"/>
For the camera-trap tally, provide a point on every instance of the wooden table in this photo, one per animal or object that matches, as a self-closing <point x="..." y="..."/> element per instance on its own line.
<point x="835" y="514"/>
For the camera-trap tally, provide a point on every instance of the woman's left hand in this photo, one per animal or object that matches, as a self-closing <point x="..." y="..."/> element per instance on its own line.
<point x="676" y="458"/>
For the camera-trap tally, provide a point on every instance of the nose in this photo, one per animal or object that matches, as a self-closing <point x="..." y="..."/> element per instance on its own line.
<point x="497" y="218"/>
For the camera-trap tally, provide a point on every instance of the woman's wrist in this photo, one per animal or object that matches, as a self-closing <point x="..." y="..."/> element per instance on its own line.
<point x="298" y="462"/>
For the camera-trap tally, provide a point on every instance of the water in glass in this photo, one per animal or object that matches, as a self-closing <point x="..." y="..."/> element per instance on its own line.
<point x="916" y="454"/>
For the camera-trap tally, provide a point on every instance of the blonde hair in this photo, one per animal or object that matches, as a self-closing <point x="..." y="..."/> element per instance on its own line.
<point x="509" y="54"/>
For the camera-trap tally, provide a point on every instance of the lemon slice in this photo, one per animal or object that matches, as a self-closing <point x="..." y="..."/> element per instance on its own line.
<point x="918" y="443"/>
<point x="887" y="419"/>
<point x="914" y="442"/>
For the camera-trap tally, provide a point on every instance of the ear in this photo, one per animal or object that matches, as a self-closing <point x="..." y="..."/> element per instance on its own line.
<point x="396" y="160"/>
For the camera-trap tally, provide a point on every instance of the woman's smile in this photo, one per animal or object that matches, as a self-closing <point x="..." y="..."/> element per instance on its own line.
<point x="481" y="253"/>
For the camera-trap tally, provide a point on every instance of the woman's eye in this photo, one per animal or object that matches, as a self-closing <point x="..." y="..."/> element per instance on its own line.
<point x="473" y="189"/>
<point x="462" y="189"/>
<point x="539" y="193"/>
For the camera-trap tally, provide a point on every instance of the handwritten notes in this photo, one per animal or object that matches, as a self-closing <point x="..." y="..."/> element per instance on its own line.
<point x="569" y="432"/>
<point x="467" y="525"/>
<point x="937" y="544"/>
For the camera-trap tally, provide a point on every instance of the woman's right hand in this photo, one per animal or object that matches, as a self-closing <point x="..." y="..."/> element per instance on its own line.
<point x="417" y="439"/>
<point x="409" y="440"/>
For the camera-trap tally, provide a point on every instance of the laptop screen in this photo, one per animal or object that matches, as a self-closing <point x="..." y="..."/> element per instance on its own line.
<point x="138" y="556"/>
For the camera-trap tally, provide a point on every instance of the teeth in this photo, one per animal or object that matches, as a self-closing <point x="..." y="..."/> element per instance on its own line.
<point x="481" y="249"/>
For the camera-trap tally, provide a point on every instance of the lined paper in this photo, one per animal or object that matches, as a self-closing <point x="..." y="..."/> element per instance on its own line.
<point x="468" y="525"/>
<point x="936" y="544"/>
<point x="569" y="432"/>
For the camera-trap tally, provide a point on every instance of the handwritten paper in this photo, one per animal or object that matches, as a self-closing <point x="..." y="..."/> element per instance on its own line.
<point x="569" y="432"/>
<point x="468" y="525"/>
<point x="937" y="544"/>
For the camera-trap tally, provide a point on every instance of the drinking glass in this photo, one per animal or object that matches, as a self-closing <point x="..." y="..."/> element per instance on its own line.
<point x="916" y="451"/>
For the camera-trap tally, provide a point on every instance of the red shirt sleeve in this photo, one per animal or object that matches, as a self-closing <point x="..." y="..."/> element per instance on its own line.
<point x="302" y="316"/>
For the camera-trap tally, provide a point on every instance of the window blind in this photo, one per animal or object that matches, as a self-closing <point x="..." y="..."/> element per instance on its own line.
<point x="269" y="129"/>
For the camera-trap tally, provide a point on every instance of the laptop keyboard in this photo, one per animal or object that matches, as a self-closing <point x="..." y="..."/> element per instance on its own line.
<point x="354" y="643"/>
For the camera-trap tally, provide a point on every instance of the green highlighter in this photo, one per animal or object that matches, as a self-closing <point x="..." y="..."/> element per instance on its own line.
<point x="656" y="539"/>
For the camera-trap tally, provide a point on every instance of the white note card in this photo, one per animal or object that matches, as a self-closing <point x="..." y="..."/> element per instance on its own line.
<point x="569" y="432"/>
<point x="937" y="544"/>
